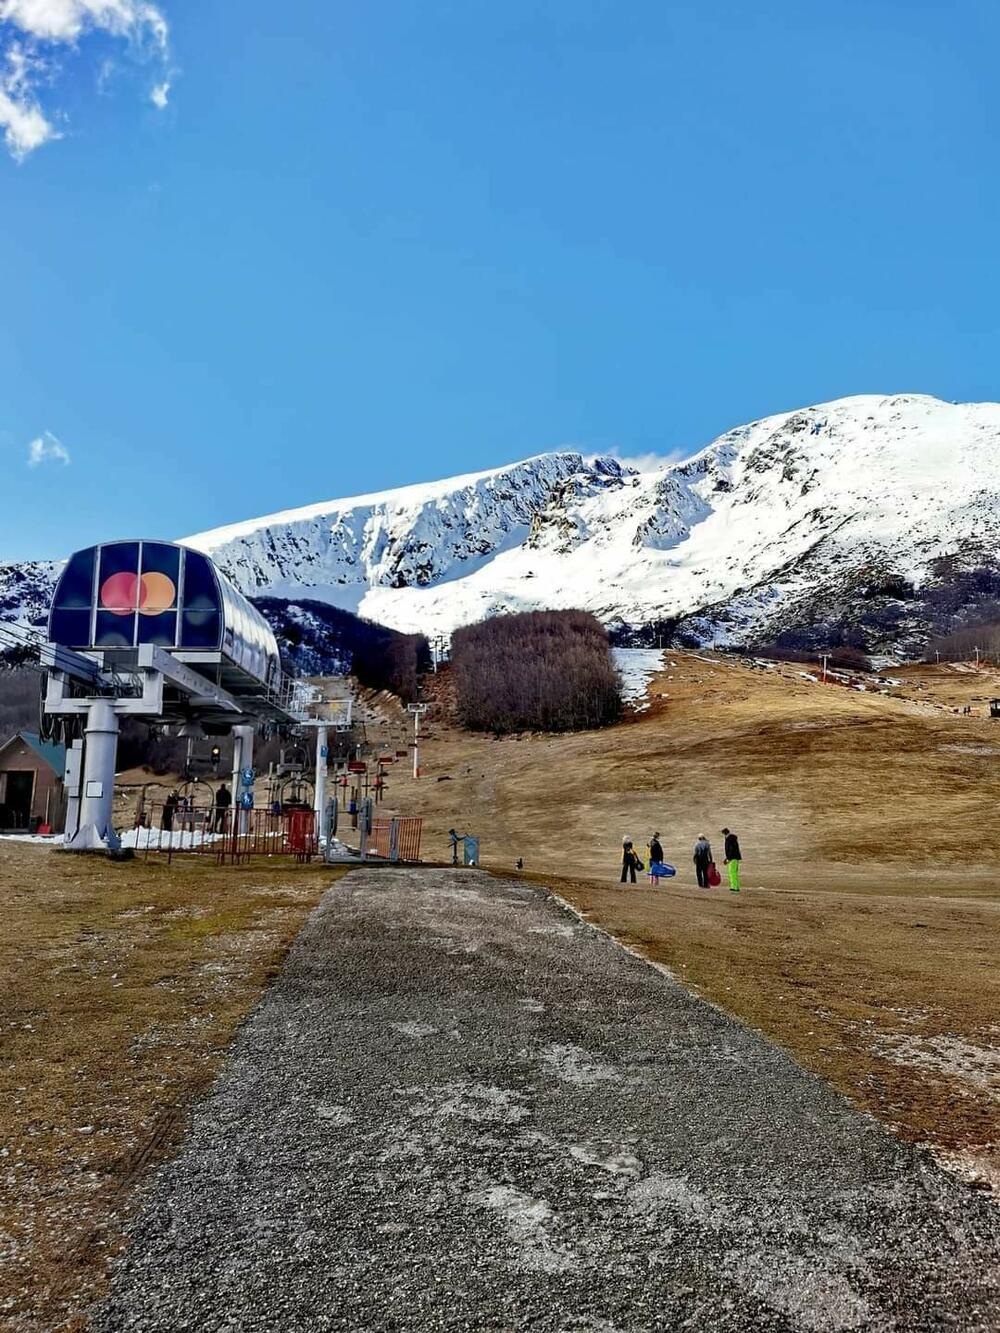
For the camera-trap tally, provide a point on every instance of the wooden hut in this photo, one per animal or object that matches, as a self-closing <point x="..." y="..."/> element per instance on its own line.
<point x="31" y="783"/>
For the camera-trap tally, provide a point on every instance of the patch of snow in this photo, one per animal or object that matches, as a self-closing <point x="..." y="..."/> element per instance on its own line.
<point x="339" y="1116"/>
<point x="616" y="1163"/>
<point x="477" y="1102"/>
<point x="976" y="1066"/>
<point x="572" y="1064"/>
<point x="637" y="667"/>
<point x="659" y="1192"/>
<point x="415" y="1029"/>
<point x="49" y="840"/>
<point x="527" y="1221"/>
<point x="177" y="839"/>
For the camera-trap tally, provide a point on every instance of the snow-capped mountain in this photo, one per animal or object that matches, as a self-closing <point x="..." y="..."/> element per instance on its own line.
<point x="858" y="512"/>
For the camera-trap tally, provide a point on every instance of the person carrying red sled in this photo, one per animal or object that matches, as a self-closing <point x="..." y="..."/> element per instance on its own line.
<point x="702" y="861"/>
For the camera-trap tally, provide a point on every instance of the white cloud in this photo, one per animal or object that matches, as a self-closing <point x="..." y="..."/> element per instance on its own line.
<point x="649" y="462"/>
<point x="24" y="124"/>
<point x="47" y="449"/>
<point x="66" y="20"/>
<point x="46" y="25"/>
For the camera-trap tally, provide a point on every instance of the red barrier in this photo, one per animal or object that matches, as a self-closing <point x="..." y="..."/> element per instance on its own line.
<point x="227" y="835"/>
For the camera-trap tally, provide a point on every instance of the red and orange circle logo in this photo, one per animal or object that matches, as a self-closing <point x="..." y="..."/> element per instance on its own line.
<point x="149" y="594"/>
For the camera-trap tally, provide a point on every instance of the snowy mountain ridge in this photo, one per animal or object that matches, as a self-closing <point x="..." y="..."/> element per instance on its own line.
<point x="853" y="513"/>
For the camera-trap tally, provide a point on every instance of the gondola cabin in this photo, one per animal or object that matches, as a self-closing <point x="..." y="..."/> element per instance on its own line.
<point x="119" y="596"/>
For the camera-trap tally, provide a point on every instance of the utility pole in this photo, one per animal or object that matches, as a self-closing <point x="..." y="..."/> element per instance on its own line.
<point x="977" y="656"/>
<point x="418" y="711"/>
<point x="826" y="657"/>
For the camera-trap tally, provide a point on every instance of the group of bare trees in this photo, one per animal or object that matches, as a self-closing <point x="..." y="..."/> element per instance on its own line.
<point x="320" y="640"/>
<point x="19" y="703"/>
<point x="842" y="657"/>
<point x="537" y="671"/>
<point x="962" y="644"/>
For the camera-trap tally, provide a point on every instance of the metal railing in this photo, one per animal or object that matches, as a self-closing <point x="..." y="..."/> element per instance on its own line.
<point x="394" y="839"/>
<point x="227" y="835"/>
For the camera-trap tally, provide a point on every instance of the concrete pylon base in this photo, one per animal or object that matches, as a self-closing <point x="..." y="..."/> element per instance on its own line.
<point x="89" y="839"/>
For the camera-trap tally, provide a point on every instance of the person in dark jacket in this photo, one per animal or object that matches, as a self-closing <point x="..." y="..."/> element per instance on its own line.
<point x="733" y="858"/>
<point x="629" y="860"/>
<point x="454" y="839"/>
<point x="702" y="860"/>
<point x="223" y="800"/>
<point x="655" y="850"/>
<point x="169" y="810"/>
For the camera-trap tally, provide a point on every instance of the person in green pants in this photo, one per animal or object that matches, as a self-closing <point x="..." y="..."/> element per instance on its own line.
<point x="733" y="858"/>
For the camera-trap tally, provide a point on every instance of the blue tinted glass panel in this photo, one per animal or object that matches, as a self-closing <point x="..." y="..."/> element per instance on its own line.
<point x="200" y="629"/>
<point x="76" y="587"/>
<point x="200" y="587"/>
<point x="114" y="631"/>
<point x="159" y="558"/>
<point x="161" y="630"/>
<point x="160" y="577"/>
<point x="201" y="622"/>
<point x="70" y="628"/>
<point x="118" y="558"/>
<point x="118" y="580"/>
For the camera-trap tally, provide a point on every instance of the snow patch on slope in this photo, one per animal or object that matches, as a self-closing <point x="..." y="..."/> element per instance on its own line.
<point x="637" y="667"/>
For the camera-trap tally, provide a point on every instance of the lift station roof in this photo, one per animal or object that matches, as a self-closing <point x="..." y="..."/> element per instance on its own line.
<point x="120" y="595"/>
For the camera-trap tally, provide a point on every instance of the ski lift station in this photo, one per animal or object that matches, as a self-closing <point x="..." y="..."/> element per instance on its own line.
<point x="153" y="630"/>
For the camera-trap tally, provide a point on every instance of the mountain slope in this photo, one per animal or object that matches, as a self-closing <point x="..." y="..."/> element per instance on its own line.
<point x="875" y="513"/>
<point x="802" y="518"/>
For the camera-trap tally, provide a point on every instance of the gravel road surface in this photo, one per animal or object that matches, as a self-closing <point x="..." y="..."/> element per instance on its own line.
<point x="460" y="1108"/>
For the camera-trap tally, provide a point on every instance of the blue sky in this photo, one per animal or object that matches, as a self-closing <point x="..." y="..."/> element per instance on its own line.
<point x="279" y="253"/>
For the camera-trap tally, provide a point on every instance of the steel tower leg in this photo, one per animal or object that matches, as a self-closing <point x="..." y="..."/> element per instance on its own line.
<point x="242" y="758"/>
<point x="96" y="831"/>
<point x="319" y="802"/>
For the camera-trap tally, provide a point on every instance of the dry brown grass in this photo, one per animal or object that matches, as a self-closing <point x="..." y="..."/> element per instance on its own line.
<point x="867" y="939"/>
<point x="123" y="984"/>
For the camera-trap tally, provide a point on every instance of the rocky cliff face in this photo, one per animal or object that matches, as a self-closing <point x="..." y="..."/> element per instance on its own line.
<point x="865" y="515"/>
<point x="26" y="589"/>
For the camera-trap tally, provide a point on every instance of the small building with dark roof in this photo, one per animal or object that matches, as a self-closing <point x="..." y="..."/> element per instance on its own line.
<point x="31" y="783"/>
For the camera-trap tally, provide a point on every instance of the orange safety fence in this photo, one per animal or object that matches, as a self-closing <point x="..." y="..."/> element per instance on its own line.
<point x="395" y="839"/>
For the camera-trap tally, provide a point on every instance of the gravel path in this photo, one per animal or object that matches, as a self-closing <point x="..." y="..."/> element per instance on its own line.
<point x="459" y="1108"/>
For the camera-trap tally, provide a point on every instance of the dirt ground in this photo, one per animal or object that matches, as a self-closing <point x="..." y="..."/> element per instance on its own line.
<point x="122" y="985"/>
<point x="866" y="939"/>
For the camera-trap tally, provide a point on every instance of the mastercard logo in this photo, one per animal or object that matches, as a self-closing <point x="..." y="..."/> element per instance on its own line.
<point x="149" y="594"/>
